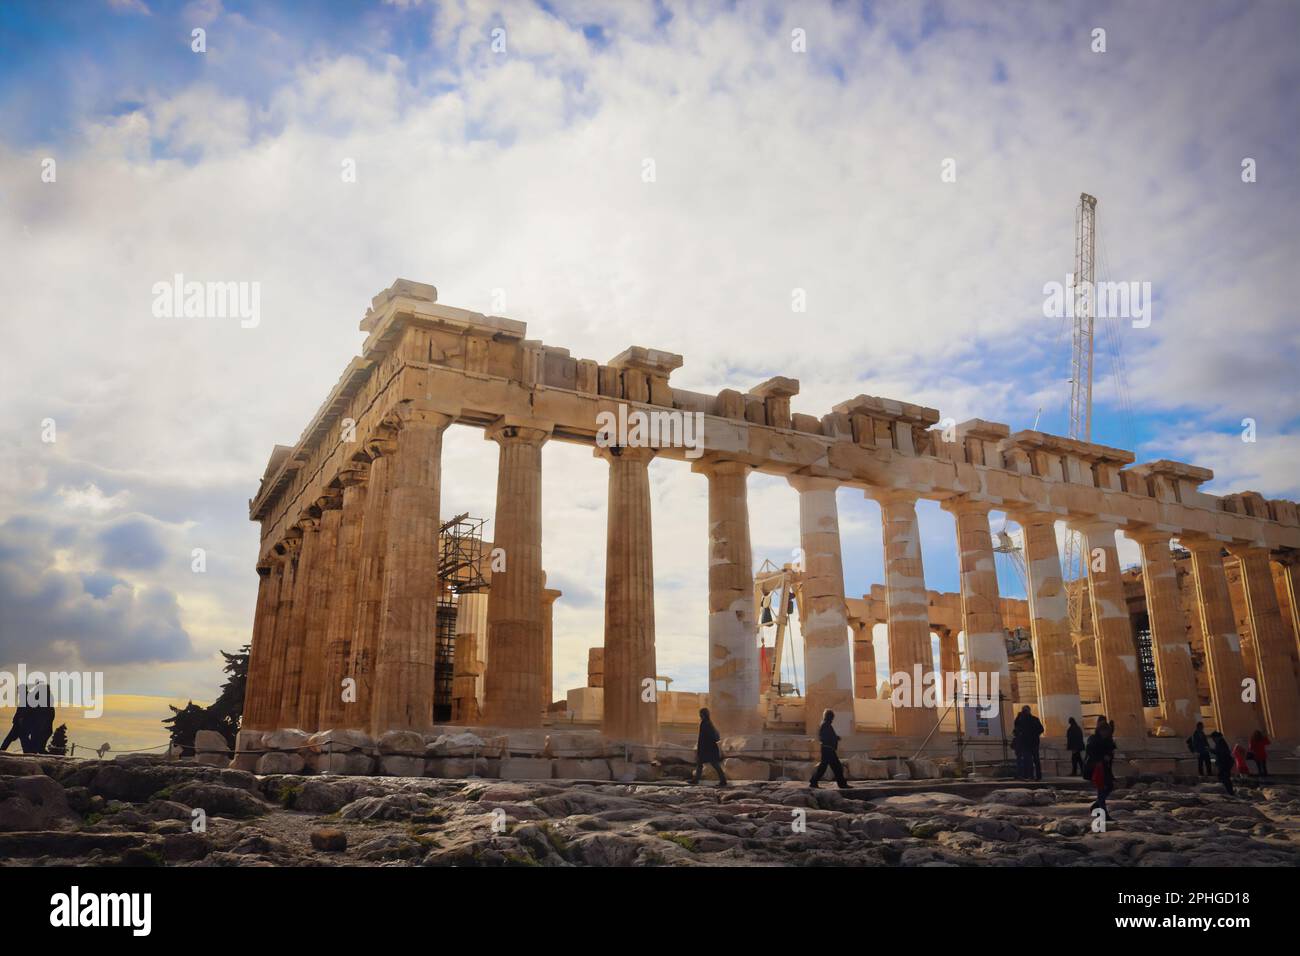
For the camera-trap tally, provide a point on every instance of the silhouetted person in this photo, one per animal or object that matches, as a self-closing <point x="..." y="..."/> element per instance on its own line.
<point x="40" y="710"/>
<point x="22" y="721"/>
<point x="830" y="743"/>
<point x="1074" y="744"/>
<point x="1101" y="752"/>
<point x="1258" y="752"/>
<point x="1199" y="744"/>
<point x="706" y="750"/>
<point x="1027" y="730"/>
<point x="1223" y="760"/>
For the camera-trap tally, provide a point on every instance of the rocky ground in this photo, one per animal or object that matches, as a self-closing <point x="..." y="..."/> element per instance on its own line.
<point x="142" y="811"/>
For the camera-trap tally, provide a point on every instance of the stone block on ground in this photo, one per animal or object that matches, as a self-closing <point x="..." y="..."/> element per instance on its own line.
<point x="340" y="741"/>
<point x="627" y="771"/>
<point x="525" y="768"/>
<point x="401" y="765"/>
<point x="744" y="768"/>
<point x="275" y="762"/>
<point x="574" y="769"/>
<point x="285" y="739"/>
<point x="329" y="839"/>
<point x="864" y="768"/>
<point x="402" y="742"/>
<point x="458" y="768"/>
<point x="351" y="763"/>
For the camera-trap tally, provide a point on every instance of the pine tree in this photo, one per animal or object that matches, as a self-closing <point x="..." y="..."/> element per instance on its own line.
<point x="58" y="744"/>
<point x="222" y="716"/>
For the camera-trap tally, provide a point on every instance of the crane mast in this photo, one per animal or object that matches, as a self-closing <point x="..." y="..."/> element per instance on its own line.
<point x="1081" y="355"/>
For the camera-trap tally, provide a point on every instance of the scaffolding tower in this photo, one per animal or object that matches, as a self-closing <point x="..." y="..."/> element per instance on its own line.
<point x="460" y="571"/>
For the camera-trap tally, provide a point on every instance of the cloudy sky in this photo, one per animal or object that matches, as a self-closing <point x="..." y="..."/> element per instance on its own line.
<point x="794" y="147"/>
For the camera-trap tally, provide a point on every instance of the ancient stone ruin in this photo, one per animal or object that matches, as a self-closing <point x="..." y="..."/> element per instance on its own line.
<point x="350" y="592"/>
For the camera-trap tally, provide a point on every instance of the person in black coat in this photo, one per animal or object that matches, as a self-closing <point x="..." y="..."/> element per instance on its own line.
<point x="1223" y="760"/>
<point x="706" y="750"/>
<point x="1074" y="744"/>
<point x="1199" y="744"/>
<point x="1100" y="754"/>
<point x="830" y="741"/>
<point x="40" y="721"/>
<point x="22" y="722"/>
<point x="1027" y="731"/>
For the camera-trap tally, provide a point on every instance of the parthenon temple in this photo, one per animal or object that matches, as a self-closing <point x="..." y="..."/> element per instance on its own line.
<point x="348" y="632"/>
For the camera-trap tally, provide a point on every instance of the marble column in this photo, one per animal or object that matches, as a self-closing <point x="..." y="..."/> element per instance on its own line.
<point x="864" y="661"/>
<point x="324" y="583"/>
<point x="289" y="549"/>
<point x="471" y="658"/>
<point x="262" y="646"/>
<point x="1117" y="662"/>
<point x="733" y="646"/>
<point x="631" y="712"/>
<point x="1279" y="699"/>
<point x="512" y="685"/>
<point x="823" y="615"/>
<point x="295" y="647"/>
<point x="1054" y="660"/>
<point x="1170" y="646"/>
<point x="1289" y="591"/>
<point x="549" y="597"/>
<point x="407" y="647"/>
<point x="1234" y="716"/>
<point x="910" y="650"/>
<point x="343" y="602"/>
<point x="981" y="605"/>
<point x="357" y="705"/>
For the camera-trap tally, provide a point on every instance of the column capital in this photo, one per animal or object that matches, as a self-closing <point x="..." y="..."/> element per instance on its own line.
<point x="803" y="483"/>
<point x="410" y="413"/>
<point x="1242" y="549"/>
<point x="520" y="430"/>
<point x="1093" y="525"/>
<point x="382" y="444"/>
<point x="307" y="520"/>
<point x="1201" y="543"/>
<point x="1149" y="535"/>
<point x="263" y="568"/>
<point x="891" y="496"/>
<point x="354" y="473"/>
<point x="331" y="499"/>
<point x="292" y="543"/>
<point x="965" y="504"/>
<point x="1030" y="516"/>
<point x="717" y="465"/>
<point x="625" y="453"/>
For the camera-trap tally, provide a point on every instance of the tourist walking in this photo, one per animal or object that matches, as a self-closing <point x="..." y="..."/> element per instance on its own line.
<point x="1074" y="744"/>
<point x="1027" y="730"/>
<point x="1199" y="744"/>
<point x="706" y="750"/>
<point x="830" y="744"/>
<point x="1223" y="759"/>
<point x="1100" y="752"/>
<point x="1258" y="752"/>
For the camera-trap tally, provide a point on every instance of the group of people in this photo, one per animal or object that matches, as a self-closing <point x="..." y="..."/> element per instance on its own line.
<point x="708" y="752"/>
<point x="33" y="720"/>
<point x="1228" y="761"/>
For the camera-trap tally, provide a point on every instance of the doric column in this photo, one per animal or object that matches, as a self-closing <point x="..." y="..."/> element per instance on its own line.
<point x="1234" y="716"/>
<point x="1117" y="662"/>
<point x="864" y="660"/>
<point x="910" y="650"/>
<point x="288" y="549"/>
<point x="629" y="598"/>
<point x="471" y="658"/>
<point x="1279" y="699"/>
<point x="824" y="622"/>
<point x="1175" y="675"/>
<point x="733" y="649"/>
<point x="323" y="586"/>
<point x="296" y="643"/>
<point x="1288" y="586"/>
<point x="382" y="448"/>
<point x="343" y="603"/>
<point x="404" y="656"/>
<point x="1054" y="662"/>
<point x="981" y="607"/>
<point x="549" y="597"/>
<point x="262" y="646"/>
<point x="512" y="685"/>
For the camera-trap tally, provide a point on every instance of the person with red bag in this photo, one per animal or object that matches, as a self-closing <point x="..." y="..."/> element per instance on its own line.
<point x="1258" y="752"/>
<point x="1100" y="752"/>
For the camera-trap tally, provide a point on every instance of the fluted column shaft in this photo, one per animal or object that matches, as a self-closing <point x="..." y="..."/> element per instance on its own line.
<point x="343" y="602"/>
<point x="1234" y="716"/>
<point x="824" y="622"/>
<point x="471" y="658"/>
<point x="1279" y="699"/>
<point x="549" y="596"/>
<point x="1175" y="675"/>
<point x="981" y="606"/>
<point x="291" y="547"/>
<point x="864" y="661"/>
<point x="733" y="649"/>
<point x="406" y="651"/>
<point x="262" y="646"/>
<point x="910" y="650"/>
<point x="1054" y="660"/>
<point x="370" y="585"/>
<point x="629" y="598"/>
<point x="323" y="587"/>
<point x="296" y="643"/>
<point x="1290" y="584"/>
<point x="1117" y="662"/>
<point x="512" y="685"/>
